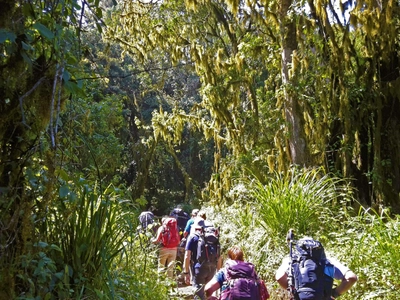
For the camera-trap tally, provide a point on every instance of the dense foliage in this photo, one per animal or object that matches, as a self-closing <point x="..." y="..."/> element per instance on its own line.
<point x="111" y="107"/>
<point x="363" y="239"/>
<point x="282" y="82"/>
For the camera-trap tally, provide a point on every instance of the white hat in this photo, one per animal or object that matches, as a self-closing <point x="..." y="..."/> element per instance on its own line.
<point x="198" y="223"/>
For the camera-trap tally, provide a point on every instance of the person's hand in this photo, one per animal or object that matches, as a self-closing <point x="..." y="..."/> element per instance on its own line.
<point x="334" y="294"/>
<point x="187" y="278"/>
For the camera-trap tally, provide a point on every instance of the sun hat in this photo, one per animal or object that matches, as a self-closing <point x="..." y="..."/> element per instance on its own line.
<point x="198" y="224"/>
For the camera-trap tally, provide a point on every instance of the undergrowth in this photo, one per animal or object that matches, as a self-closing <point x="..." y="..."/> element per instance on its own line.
<point x="317" y="205"/>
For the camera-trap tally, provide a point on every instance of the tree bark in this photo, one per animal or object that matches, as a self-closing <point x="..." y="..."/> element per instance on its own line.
<point x="297" y="142"/>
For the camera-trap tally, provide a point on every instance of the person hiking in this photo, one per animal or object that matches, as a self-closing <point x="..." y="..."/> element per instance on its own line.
<point x="181" y="217"/>
<point x="299" y="272"/>
<point x="190" y="222"/>
<point x="202" y="256"/>
<point x="186" y="232"/>
<point x="168" y="237"/>
<point x="238" y="280"/>
<point x="201" y="216"/>
<point x="146" y="220"/>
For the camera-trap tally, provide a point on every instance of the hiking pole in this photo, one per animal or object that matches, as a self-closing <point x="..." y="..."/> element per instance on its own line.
<point x="291" y="286"/>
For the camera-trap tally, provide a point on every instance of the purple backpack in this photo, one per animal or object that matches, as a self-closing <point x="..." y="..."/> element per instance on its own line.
<point x="241" y="281"/>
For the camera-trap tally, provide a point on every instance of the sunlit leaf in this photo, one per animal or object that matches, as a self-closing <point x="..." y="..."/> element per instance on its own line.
<point x="44" y="31"/>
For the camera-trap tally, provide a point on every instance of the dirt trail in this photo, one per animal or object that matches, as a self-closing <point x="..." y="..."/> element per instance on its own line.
<point x="182" y="292"/>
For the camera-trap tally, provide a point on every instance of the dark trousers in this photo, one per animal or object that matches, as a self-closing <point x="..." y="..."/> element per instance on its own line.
<point x="201" y="276"/>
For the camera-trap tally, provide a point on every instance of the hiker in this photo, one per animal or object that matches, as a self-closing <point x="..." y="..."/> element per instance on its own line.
<point x="201" y="217"/>
<point x="168" y="237"/>
<point x="202" y="256"/>
<point x="305" y="265"/>
<point x="146" y="219"/>
<point x="190" y="222"/>
<point x="238" y="280"/>
<point x="181" y="217"/>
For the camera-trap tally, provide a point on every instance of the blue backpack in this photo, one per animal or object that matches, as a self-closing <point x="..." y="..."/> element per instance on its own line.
<point x="313" y="274"/>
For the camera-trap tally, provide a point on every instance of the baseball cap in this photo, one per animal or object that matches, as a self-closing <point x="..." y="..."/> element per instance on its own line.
<point x="198" y="224"/>
<point x="195" y="212"/>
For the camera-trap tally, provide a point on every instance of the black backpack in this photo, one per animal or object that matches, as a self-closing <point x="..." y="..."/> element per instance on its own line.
<point x="181" y="217"/>
<point x="208" y="246"/>
<point x="313" y="274"/>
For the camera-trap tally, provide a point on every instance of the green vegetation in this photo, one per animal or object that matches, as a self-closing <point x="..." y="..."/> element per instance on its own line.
<point x="365" y="240"/>
<point x="269" y="115"/>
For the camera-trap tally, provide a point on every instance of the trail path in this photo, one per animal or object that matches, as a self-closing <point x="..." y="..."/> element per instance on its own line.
<point x="182" y="292"/>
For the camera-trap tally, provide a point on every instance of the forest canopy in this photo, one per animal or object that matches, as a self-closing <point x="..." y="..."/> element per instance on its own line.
<point x="109" y="108"/>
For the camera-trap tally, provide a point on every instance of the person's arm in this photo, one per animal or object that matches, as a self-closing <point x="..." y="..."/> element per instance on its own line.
<point x="158" y="236"/>
<point x="281" y="275"/>
<point x="186" y="265"/>
<point x="347" y="277"/>
<point x="282" y="279"/>
<point x="347" y="282"/>
<point x="219" y="263"/>
<point x="186" y="231"/>
<point x="211" y="287"/>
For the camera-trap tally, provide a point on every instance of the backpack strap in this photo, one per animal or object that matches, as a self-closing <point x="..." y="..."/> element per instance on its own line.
<point x="200" y="242"/>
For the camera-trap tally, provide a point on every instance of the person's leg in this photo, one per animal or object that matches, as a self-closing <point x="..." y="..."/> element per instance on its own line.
<point x="170" y="262"/>
<point x="201" y="276"/>
<point x="162" y="259"/>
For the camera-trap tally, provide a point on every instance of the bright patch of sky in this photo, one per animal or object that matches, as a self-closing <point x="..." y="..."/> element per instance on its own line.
<point x="343" y="9"/>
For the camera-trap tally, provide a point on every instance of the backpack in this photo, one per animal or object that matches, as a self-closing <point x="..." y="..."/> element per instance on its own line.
<point x="146" y="218"/>
<point x="208" y="246"/>
<point x="313" y="274"/>
<point x="170" y="235"/>
<point x="181" y="217"/>
<point x="242" y="282"/>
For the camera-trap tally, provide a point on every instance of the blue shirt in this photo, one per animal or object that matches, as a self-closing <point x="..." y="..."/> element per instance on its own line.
<point x="189" y="225"/>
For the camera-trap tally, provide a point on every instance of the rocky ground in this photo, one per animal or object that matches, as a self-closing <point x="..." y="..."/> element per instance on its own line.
<point x="182" y="292"/>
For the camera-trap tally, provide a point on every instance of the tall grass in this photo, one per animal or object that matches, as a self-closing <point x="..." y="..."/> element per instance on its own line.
<point x="103" y="255"/>
<point x="302" y="200"/>
<point x="376" y="254"/>
<point x="318" y="205"/>
<point x="87" y="226"/>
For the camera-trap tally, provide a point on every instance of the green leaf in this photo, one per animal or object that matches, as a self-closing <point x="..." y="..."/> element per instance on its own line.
<point x="64" y="191"/>
<point x="42" y="244"/>
<point x="73" y="88"/>
<point x="99" y="27"/>
<point x="64" y="176"/>
<point x="6" y="35"/>
<point x="44" y="31"/>
<point x="66" y="76"/>
<point x="69" y="271"/>
<point x="55" y="247"/>
<point x="28" y="11"/>
<point x="26" y="46"/>
<point x="59" y="275"/>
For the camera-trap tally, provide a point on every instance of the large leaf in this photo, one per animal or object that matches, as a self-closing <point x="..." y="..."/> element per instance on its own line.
<point x="6" y="35"/>
<point x="44" y="31"/>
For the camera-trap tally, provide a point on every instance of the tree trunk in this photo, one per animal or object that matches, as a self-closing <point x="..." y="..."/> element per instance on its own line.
<point x="297" y="142"/>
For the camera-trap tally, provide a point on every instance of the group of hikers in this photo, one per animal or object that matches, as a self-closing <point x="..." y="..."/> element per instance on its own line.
<point x="307" y="273"/>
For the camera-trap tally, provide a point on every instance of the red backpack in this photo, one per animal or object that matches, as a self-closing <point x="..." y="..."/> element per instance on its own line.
<point x="170" y="234"/>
